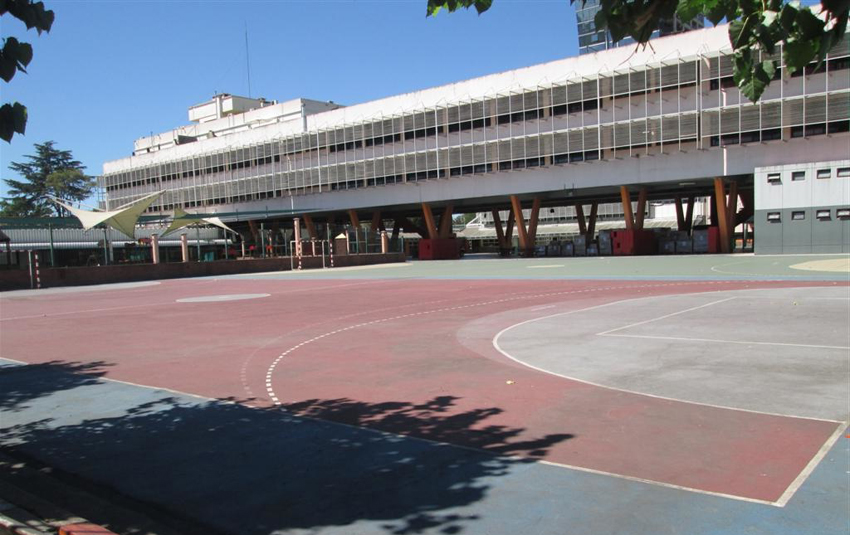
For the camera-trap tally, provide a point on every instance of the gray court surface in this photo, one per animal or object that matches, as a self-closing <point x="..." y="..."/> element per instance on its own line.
<point x="260" y="472"/>
<point x="759" y="350"/>
<point x="686" y="267"/>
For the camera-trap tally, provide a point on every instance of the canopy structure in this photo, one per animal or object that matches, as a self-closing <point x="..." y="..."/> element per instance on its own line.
<point x="182" y="218"/>
<point x="122" y="219"/>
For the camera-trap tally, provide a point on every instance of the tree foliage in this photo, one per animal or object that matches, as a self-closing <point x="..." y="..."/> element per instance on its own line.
<point x="16" y="56"/>
<point x="754" y="26"/>
<point x="49" y="171"/>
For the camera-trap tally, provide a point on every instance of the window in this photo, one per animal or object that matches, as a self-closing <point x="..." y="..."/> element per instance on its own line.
<point x="774" y="217"/>
<point x="798" y="215"/>
<point x="798" y="175"/>
<point x="843" y="172"/>
<point x="824" y="173"/>
<point x="774" y="178"/>
<point x="842" y="213"/>
<point x="823" y="215"/>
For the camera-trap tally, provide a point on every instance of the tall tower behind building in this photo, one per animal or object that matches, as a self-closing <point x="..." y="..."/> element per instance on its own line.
<point x="591" y="39"/>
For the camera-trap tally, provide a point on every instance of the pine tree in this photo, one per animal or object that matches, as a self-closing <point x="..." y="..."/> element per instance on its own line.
<point x="49" y="172"/>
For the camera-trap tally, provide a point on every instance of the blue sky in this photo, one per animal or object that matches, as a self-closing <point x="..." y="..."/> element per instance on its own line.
<point x="113" y="71"/>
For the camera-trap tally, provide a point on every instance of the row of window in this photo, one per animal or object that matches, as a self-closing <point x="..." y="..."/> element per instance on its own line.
<point x="770" y="134"/>
<point x="821" y="215"/>
<point x="825" y="173"/>
<point x="805" y="117"/>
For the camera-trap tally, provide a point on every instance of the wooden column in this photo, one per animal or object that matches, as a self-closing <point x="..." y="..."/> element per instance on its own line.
<point x="641" y="209"/>
<point x="722" y="218"/>
<point x="377" y="222"/>
<point x="689" y="217"/>
<point x="731" y="211"/>
<point x="509" y="229"/>
<point x="446" y="222"/>
<point x="516" y="207"/>
<point x="430" y="226"/>
<point x="680" y="214"/>
<point x="311" y="227"/>
<point x="582" y="224"/>
<point x="355" y="221"/>
<point x="591" y="225"/>
<point x="500" y="233"/>
<point x="532" y="223"/>
<point x="627" y="207"/>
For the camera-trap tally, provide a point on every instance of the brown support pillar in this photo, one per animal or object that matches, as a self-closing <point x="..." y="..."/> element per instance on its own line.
<point x="509" y="230"/>
<point x="732" y="205"/>
<point x="731" y="210"/>
<point x="626" y="199"/>
<point x="377" y="222"/>
<point x="680" y="215"/>
<point x="591" y="225"/>
<point x="689" y="217"/>
<point x="311" y="227"/>
<point x="396" y="228"/>
<point x="500" y="233"/>
<point x="430" y="226"/>
<point x="254" y="232"/>
<point x="722" y="218"/>
<point x="582" y="224"/>
<point x="446" y="222"/>
<point x="522" y="233"/>
<point x="532" y="223"/>
<point x="641" y="209"/>
<point x="355" y="221"/>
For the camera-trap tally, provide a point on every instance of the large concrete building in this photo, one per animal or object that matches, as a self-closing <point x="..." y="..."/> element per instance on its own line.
<point x="662" y="123"/>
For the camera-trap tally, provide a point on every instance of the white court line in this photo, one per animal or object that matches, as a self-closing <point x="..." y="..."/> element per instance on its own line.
<point x="682" y="339"/>
<point x="53" y="314"/>
<point x="504" y="353"/>
<point x="547" y="266"/>
<point x="813" y="463"/>
<point x="667" y="316"/>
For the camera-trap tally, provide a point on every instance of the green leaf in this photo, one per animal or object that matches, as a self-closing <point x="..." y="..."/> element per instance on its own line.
<point x="753" y="83"/>
<point x="13" y="119"/>
<point x="720" y="10"/>
<point x="798" y="53"/>
<point x="19" y="118"/>
<point x="787" y="17"/>
<point x="741" y="31"/>
<point x="810" y="25"/>
<point x="688" y="9"/>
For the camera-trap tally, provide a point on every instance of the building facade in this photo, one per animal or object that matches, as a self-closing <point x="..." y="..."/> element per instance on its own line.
<point x="668" y="118"/>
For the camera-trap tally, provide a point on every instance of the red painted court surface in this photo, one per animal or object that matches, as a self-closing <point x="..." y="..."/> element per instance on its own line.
<point x="331" y="348"/>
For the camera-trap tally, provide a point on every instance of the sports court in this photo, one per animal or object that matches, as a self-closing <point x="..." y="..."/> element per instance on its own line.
<point x="698" y="394"/>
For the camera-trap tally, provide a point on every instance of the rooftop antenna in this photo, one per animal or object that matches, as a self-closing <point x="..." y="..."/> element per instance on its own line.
<point x="247" y="59"/>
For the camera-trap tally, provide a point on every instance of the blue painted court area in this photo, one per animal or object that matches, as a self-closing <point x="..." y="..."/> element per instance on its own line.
<point x="192" y="456"/>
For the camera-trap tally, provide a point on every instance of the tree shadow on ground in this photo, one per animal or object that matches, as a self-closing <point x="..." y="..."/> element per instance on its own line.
<point x="45" y="379"/>
<point x="229" y="468"/>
